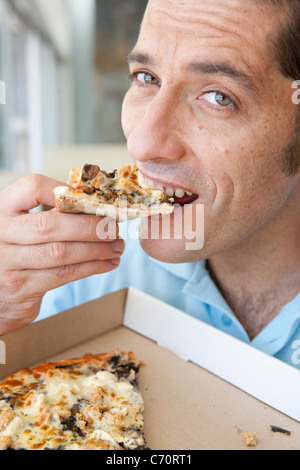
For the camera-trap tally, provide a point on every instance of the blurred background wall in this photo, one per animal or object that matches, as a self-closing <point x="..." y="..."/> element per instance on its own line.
<point x="64" y="67"/>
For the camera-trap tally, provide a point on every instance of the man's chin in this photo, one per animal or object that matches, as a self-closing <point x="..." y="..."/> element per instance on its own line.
<point x="171" y="251"/>
<point x="160" y="240"/>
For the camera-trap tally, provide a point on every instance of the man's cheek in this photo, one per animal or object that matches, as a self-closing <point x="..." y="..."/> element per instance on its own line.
<point x="128" y="113"/>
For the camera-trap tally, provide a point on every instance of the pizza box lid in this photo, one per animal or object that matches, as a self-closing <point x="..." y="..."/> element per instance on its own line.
<point x="202" y="388"/>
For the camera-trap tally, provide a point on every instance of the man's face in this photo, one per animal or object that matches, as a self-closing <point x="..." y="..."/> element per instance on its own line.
<point x="208" y="112"/>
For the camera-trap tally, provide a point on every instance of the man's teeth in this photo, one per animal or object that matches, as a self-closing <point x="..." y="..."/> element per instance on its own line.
<point x="169" y="192"/>
<point x="179" y="193"/>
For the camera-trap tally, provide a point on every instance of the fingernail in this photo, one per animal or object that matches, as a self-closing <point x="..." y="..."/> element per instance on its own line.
<point x="118" y="246"/>
<point x="115" y="262"/>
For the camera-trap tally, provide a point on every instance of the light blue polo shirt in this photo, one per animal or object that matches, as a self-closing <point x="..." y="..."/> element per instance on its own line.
<point x="187" y="287"/>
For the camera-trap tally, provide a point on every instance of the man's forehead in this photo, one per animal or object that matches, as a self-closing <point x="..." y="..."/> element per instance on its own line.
<point x="229" y="28"/>
<point x="252" y="19"/>
<point x="189" y="12"/>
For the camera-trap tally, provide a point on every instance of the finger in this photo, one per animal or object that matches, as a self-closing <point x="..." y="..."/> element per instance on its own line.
<point x="22" y="285"/>
<point x="51" y="255"/>
<point x="27" y="193"/>
<point x="53" y="226"/>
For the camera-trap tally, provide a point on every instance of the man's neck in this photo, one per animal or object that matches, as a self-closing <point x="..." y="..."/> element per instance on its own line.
<point x="262" y="274"/>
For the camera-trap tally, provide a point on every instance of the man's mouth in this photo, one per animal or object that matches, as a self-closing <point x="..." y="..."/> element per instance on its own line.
<point x="175" y="195"/>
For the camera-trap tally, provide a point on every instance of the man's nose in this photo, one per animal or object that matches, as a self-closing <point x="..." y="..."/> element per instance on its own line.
<point x="158" y="133"/>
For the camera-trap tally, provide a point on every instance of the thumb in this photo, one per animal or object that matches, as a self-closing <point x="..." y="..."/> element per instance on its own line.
<point x="27" y="193"/>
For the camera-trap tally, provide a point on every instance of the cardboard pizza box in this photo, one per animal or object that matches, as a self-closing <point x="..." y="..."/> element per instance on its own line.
<point x="202" y="388"/>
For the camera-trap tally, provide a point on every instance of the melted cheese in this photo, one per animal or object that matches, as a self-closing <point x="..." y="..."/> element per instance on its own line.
<point x="74" y="410"/>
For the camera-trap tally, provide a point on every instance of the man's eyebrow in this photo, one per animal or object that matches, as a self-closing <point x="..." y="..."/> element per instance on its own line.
<point x="205" y="68"/>
<point x="140" y="58"/>
<point x="212" y="68"/>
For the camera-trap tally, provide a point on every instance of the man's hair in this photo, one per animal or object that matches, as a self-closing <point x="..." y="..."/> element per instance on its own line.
<point x="286" y="39"/>
<point x="286" y="51"/>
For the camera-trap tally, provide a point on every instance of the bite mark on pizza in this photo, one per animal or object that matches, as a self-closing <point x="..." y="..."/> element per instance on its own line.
<point x="122" y="194"/>
<point x="90" y="403"/>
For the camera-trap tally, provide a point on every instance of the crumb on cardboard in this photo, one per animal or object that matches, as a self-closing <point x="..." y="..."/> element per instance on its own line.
<point x="250" y="439"/>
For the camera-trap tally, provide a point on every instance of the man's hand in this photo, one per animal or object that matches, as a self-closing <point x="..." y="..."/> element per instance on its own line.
<point x="42" y="251"/>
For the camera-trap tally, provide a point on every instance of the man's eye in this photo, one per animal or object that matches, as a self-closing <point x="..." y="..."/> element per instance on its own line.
<point x="219" y="99"/>
<point x="144" y="78"/>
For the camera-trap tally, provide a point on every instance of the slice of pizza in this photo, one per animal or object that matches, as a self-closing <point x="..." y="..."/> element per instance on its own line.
<point x="122" y="194"/>
<point x="90" y="403"/>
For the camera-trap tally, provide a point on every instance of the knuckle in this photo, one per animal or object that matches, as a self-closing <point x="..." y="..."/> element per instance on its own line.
<point x="14" y="283"/>
<point x="97" y="266"/>
<point x="67" y="271"/>
<point x="44" y="222"/>
<point x="34" y="181"/>
<point x="88" y="224"/>
<point x="58" y="251"/>
<point x="101" y="267"/>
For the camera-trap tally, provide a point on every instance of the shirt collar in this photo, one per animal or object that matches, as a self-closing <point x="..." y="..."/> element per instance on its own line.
<point x="201" y="286"/>
<point x="279" y="331"/>
<point x="199" y="283"/>
<point x="185" y="271"/>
